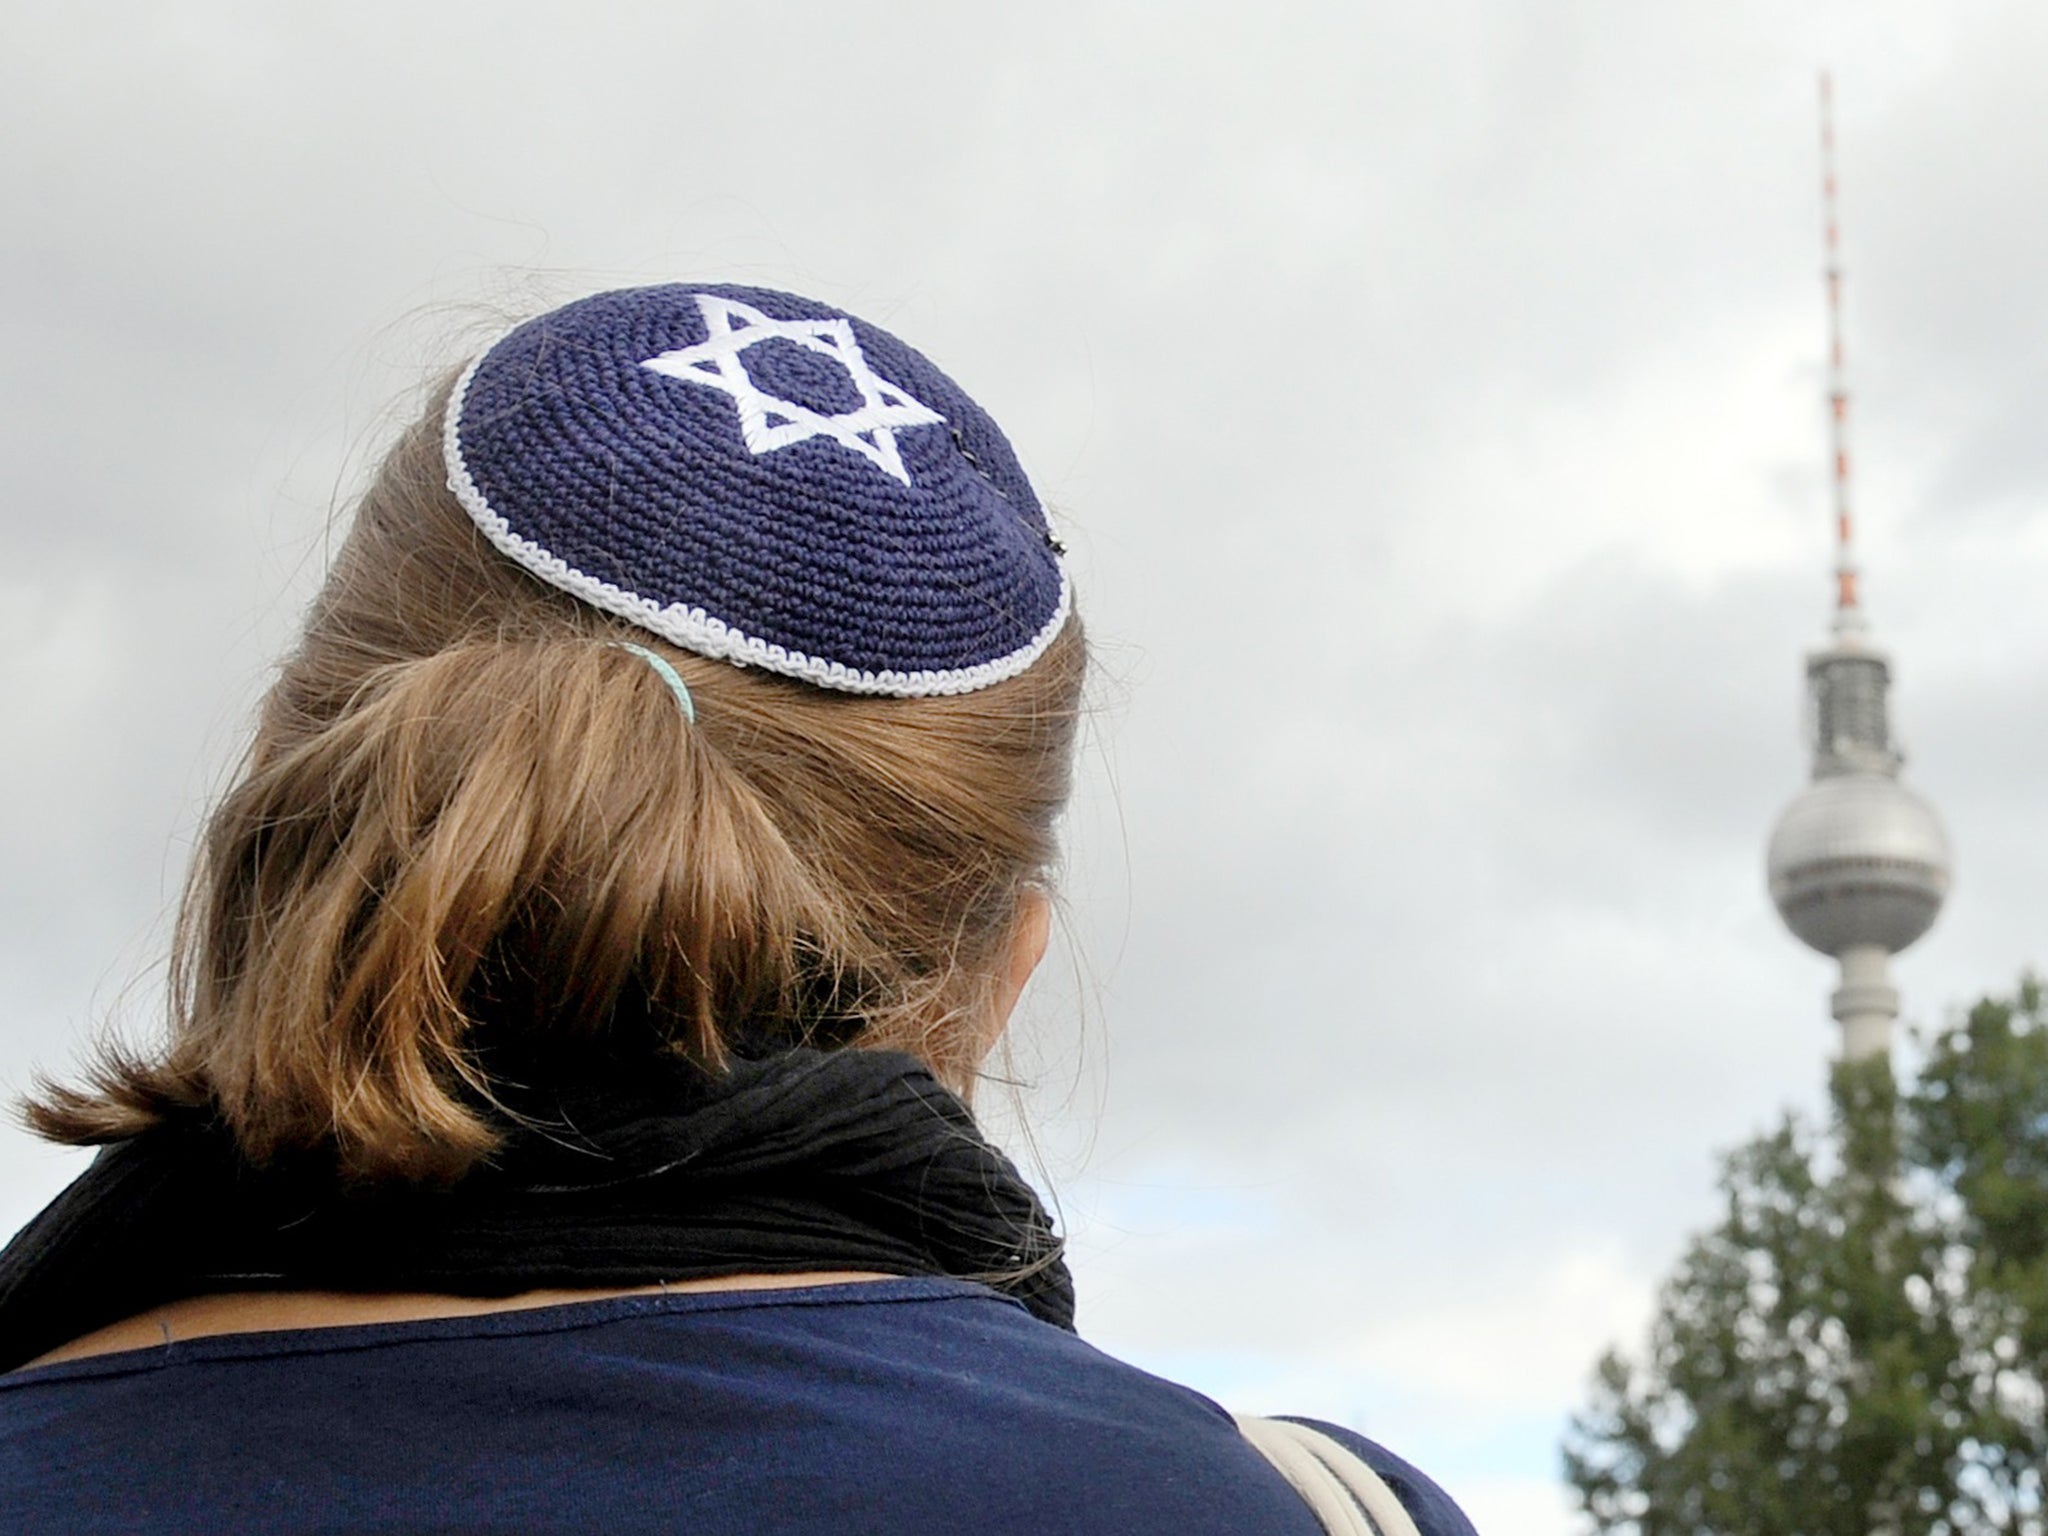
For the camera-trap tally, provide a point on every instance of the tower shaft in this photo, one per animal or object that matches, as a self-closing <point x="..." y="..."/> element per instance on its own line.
<point x="1866" y="1004"/>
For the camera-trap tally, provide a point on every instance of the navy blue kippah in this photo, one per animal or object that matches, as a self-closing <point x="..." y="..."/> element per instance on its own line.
<point x="761" y="478"/>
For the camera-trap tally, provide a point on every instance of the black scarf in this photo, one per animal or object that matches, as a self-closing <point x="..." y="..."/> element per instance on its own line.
<point x="804" y="1160"/>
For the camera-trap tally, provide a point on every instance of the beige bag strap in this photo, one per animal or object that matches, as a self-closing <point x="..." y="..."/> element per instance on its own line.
<point x="1346" y="1495"/>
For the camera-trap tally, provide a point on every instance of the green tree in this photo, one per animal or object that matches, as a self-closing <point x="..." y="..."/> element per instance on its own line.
<point x="1859" y="1347"/>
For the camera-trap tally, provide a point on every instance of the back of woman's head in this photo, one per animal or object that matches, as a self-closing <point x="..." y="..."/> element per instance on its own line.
<point x="477" y="823"/>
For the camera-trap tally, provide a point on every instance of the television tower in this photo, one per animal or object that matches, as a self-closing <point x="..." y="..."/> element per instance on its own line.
<point x="1858" y="863"/>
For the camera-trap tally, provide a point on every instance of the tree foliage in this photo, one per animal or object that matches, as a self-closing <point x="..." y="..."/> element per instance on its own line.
<point x="1860" y="1346"/>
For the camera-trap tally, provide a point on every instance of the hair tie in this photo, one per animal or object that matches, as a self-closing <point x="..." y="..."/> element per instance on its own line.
<point x="669" y="675"/>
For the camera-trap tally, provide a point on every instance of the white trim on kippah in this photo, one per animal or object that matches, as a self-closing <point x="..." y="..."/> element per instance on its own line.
<point x="695" y="630"/>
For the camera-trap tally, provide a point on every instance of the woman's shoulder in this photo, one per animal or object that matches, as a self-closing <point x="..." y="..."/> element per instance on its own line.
<point x="1075" y="1376"/>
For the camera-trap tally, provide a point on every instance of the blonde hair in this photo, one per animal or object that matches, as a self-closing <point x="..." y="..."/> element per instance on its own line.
<point x="467" y="816"/>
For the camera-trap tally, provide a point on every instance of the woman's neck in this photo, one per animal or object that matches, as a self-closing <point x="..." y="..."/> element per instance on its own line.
<point x="198" y="1317"/>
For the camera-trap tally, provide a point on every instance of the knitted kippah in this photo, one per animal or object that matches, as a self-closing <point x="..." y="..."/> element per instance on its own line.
<point x="761" y="478"/>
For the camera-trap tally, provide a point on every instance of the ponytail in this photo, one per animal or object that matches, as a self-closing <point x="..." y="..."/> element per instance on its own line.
<point x="529" y="828"/>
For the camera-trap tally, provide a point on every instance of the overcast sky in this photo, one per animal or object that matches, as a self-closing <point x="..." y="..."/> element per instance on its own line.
<point x="1430" y="396"/>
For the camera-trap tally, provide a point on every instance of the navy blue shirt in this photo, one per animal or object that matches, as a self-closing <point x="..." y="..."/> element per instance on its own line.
<point x="910" y="1406"/>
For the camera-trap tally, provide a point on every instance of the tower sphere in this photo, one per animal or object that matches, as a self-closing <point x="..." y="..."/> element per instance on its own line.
<point x="1858" y="859"/>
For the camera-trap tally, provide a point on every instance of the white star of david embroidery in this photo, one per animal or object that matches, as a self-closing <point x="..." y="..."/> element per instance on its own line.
<point x="767" y="422"/>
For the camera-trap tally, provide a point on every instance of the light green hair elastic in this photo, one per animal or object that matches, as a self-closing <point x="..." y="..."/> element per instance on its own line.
<point x="669" y="675"/>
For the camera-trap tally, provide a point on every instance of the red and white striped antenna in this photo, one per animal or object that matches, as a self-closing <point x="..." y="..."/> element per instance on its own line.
<point x="1849" y="620"/>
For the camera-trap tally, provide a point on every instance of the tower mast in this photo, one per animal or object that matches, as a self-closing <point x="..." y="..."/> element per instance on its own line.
<point x="1848" y="614"/>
